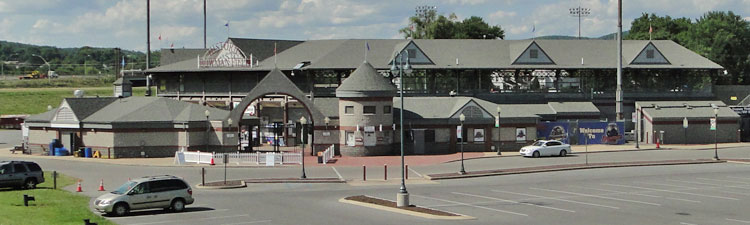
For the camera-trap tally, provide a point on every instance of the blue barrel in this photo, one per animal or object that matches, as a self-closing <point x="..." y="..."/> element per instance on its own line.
<point x="52" y="148"/>
<point x="61" y="151"/>
<point x="87" y="152"/>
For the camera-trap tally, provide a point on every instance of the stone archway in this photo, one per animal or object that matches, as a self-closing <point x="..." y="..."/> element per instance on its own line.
<point x="276" y="82"/>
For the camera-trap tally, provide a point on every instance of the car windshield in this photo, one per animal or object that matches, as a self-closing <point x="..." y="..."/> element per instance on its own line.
<point x="124" y="188"/>
<point x="538" y="143"/>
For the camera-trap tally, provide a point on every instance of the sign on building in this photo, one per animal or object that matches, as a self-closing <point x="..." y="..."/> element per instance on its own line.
<point x="601" y="133"/>
<point x="554" y="131"/>
<point x="713" y="123"/>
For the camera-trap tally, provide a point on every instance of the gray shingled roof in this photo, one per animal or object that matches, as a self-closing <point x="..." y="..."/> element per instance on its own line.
<point x="328" y="106"/>
<point x="574" y="108"/>
<point x="678" y="114"/>
<point x="471" y="54"/>
<point x="649" y="104"/>
<point x="153" y="109"/>
<point x="173" y="55"/>
<point x="84" y="107"/>
<point x="44" y="117"/>
<point x="262" y="48"/>
<point x="366" y="82"/>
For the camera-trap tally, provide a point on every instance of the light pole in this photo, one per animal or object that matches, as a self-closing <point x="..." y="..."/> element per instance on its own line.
<point x="303" y="122"/>
<point x="579" y="12"/>
<point x="462" y="118"/>
<point x="497" y="124"/>
<point x="208" y="127"/>
<point x="45" y="62"/>
<point x="402" y="198"/>
<point x="716" y="130"/>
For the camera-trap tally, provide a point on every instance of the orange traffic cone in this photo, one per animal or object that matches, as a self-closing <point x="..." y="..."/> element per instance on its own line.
<point x="212" y="161"/>
<point x="101" y="185"/>
<point x="79" y="186"/>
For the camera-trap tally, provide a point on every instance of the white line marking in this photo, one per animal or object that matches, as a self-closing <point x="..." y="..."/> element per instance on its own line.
<point x="259" y="221"/>
<point x="731" y="181"/>
<point x="741" y="221"/>
<point x="746" y="178"/>
<point x="701" y="183"/>
<point x="683" y="223"/>
<point x="476" y="206"/>
<point x="511" y="201"/>
<point x="418" y="174"/>
<point x="558" y="199"/>
<point x="208" y="218"/>
<point x="652" y="196"/>
<point x="687" y="188"/>
<point x="596" y="196"/>
<point x="337" y="173"/>
<point x="679" y="192"/>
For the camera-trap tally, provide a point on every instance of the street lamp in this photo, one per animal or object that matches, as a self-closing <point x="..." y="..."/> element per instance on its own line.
<point x="229" y="121"/>
<point x="303" y="122"/>
<point x="497" y="124"/>
<point x="402" y="198"/>
<point x="716" y="130"/>
<point x="46" y="63"/>
<point x="208" y="127"/>
<point x="327" y="120"/>
<point x="462" y="118"/>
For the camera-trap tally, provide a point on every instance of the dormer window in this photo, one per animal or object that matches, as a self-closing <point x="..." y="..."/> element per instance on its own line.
<point x="650" y="54"/>
<point x="534" y="53"/>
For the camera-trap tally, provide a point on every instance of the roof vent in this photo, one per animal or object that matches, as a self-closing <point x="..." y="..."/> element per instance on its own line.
<point x="687" y="106"/>
<point x="656" y="107"/>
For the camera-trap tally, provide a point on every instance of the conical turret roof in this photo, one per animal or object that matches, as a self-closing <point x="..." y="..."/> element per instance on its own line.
<point x="365" y="81"/>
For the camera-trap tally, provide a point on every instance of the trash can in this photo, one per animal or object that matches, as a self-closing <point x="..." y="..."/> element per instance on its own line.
<point x="320" y="157"/>
<point x="87" y="152"/>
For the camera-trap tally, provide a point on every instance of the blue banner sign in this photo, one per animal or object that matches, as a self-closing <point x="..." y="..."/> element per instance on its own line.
<point x="601" y="133"/>
<point x="554" y="131"/>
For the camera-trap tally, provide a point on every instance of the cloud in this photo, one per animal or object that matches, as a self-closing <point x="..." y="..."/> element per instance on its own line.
<point x="501" y="15"/>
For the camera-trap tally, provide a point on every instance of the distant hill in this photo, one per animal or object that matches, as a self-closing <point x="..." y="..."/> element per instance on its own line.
<point x="565" y="37"/>
<point x="19" y="58"/>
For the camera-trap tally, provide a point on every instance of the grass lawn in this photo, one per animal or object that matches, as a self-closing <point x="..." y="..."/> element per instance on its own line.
<point x="51" y="206"/>
<point x="36" y="100"/>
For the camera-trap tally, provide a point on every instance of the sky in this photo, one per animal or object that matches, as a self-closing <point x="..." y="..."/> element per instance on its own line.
<point x="122" y="23"/>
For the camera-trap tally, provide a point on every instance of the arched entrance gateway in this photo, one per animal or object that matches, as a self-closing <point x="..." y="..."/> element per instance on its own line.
<point x="275" y="83"/>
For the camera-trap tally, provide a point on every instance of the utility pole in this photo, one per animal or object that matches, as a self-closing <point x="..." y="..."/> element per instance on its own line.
<point x="148" y="34"/>
<point x="619" y="93"/>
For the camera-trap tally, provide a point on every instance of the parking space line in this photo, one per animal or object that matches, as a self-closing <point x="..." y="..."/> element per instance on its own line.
<point x="701" y="183"/>
<point x="597" y="196"/>
<point x="337" y="173"/>
<point x="251" y="222"/>
<point x="741" y="221"/>
<point x="511" y="201"/>
<point x="418" y="174"/>
<point x="730" y="181"/>
<point x="647" y="195"/>
<point x="683" y="223"/>
<point x="692" y="188"/>
<point x="208" y="218"/>
<point x="475" y="206"/>
<point x="663" y="190"/>
<point x="558" y="199"/>
<point x="744" y="178"/>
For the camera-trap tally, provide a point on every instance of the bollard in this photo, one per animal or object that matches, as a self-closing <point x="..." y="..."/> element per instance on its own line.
<point x="54" y="179"/>
<point x="385" y="171"/>
<point x="406" y="172"/>
<point x="364" y="173"/>
<point x="203" y="176"/>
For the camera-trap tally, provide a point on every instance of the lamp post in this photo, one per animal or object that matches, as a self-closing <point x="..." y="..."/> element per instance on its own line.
<point x="303" y="122"/>
<point x="462" y="118"/>
<point x="402" y="198"/>
<point x="229" y="121"/>
<point x="716" y="130"/>
<point x="45" y="62"/>
<point x="497" y="124"/>
<point x="208" y="127"/>
<point x="327" y="120"/>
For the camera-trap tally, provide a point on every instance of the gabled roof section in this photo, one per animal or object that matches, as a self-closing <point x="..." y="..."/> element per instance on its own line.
<point x="85" y="107"/>
<point x="415" y="53"/>
<point x="533" y="55"/>
<point x="650" y="55"/>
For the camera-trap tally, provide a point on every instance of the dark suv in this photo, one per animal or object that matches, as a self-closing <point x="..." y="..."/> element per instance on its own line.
<point x="20" y="174"/>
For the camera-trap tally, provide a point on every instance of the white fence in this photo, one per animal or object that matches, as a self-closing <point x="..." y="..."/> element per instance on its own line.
<point x="238" y="158"/>
<point x="328" y="154"/>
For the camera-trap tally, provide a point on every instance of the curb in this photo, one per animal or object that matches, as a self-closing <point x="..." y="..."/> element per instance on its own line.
<point x="242" y="185"/>
<point x="501" y="172"/>
<point x="295" y="180"/>
<point x="407" y="212"/>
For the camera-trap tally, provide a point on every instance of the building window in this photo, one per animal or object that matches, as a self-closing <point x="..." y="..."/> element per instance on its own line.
<point x="650" y="54"/>
<point x="369" y="110"/>
<point x="349" y="110"/>
<point x="534" y="53"/>
<point x="387" y="109"/>
<point x="429" y="136"/>
<point x="412" y="53"/>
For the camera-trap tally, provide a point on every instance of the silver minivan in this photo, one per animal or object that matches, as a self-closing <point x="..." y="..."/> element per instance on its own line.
<point x="167" y="192"/>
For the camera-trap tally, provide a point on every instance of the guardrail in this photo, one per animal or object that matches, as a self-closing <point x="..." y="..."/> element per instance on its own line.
<point x="328" y="154"/>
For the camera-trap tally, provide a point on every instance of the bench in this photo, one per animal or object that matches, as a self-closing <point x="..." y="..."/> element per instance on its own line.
<point x="16" y="148"/>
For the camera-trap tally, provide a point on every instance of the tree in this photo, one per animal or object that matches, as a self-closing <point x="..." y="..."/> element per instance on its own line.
<point x="432" y="26"/>
<point x="723" y="37"/>
<point x="664" y="28"/>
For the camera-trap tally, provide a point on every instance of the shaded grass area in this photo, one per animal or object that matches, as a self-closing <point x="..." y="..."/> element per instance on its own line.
<point x="81" y="81"/>
<point x="35" y="100"/>
<point x="50" y="207"/>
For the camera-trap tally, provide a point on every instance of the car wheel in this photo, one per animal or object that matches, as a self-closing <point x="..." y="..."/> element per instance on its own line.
<point x="178" y="205"/>
<point x="535" y="154"/>
<point x="120" y="209"/>
<point x="29" y="183"/>
<point x="563" y="153"/>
